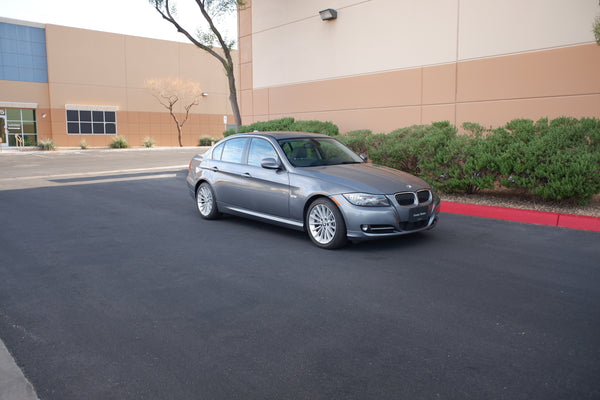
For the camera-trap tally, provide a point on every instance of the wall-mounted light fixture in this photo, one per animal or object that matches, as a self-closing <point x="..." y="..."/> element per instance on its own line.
<point x="204" y="94"/>
<point x="328" y="14"/>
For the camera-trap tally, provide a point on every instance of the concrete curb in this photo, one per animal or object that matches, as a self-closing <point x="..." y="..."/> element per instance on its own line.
<point x="581" y="222"/>
<point x="11" y="151"/>
<point x="13" y="385"/>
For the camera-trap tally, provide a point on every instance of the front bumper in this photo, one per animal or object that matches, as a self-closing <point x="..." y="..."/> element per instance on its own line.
<point x="364" y="223"/>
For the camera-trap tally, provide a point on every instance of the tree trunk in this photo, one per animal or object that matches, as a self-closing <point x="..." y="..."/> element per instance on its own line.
<point x="176" y="124"/>
<point x="233" y="98"/>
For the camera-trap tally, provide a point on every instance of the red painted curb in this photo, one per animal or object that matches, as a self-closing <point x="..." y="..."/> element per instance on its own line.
<point x="528" y="216"/>
<point x="579" y="222"/>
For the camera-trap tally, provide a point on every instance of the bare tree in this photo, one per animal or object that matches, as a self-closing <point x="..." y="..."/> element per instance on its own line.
<point x="211" y="10"/>
<point x="170" y="92"/>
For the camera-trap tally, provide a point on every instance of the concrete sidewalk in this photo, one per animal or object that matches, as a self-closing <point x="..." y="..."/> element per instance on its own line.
<point x="13" y="384"/>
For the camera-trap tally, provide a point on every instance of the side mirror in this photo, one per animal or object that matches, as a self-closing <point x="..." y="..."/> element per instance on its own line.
<point x="270" y="163"/>
<point x="364" y="157"/>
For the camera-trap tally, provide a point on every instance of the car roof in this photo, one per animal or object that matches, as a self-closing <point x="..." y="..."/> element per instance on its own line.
<point x="283" y="135"/>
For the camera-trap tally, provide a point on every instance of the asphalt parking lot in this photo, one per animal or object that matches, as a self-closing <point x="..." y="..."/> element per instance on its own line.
<point x="112" y="287"/>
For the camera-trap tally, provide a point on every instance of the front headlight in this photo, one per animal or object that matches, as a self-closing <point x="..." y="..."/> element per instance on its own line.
<point x="367" y="200"/>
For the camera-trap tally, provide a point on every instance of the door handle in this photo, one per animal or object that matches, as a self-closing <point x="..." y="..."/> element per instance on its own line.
<point x="215" y="168"/>
<point x="246" y="175"/>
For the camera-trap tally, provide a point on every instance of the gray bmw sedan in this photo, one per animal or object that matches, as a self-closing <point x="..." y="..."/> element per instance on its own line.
<point x="312" y="183"/>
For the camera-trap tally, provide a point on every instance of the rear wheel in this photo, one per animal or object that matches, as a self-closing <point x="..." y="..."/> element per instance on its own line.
<point x="325" y="224"/>
<point x="206" y="202"/>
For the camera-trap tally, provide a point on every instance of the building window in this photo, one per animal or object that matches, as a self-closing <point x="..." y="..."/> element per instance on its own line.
<point x="22" y="123"/>
<point x="23" y="53"/>
<point x="91" y="120"/>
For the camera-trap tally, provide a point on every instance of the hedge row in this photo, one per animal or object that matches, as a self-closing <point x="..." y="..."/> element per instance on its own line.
<point x="287" y="124"/>
<point x="555" y="160"/>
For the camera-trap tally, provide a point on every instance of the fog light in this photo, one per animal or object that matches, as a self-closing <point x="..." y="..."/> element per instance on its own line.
<point x="365" y="228"/>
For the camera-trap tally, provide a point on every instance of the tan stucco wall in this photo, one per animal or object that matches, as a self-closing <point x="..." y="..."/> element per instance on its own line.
<point x="385" y="64"/>
<point x="104" y="69"/>
<point x="98" y="68"/>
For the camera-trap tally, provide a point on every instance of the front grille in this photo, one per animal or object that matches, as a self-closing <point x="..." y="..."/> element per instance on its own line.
<point x="424" y="196"/>
<point x="405" y="199"/>
<point x="411" y="226"/>
<point x="410" y="198"/>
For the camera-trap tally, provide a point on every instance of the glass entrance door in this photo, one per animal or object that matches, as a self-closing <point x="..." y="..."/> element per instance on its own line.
<point x="3" y="137"/>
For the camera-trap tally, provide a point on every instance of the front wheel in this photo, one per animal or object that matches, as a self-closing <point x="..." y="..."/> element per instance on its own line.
<point x="206" y="202"/>
<point x="325" y="224"/>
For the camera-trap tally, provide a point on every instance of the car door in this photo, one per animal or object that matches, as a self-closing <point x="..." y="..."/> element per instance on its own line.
<point x="266" y="190"/>
<point x="227" y="169"/>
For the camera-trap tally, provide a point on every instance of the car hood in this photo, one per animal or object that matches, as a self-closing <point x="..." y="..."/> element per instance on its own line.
<point x="368" y="178"/>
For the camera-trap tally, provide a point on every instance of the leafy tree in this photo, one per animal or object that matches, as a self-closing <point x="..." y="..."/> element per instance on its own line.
<point x="211" y="11"/>
<point x="171" y="91"/>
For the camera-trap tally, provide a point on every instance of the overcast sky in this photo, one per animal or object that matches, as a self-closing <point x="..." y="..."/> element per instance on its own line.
<point x="130" y="17"/>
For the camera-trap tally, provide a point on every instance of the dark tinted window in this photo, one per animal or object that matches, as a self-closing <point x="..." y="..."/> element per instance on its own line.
<point x="85" y="115"/>
<point x="72" y="115"/>
<point x="307" y="152"/>
<point x="91" y="122"/>
<point x="86" y="127"/>
<point x="73" y="127"/>
<point x="98" y="127"/>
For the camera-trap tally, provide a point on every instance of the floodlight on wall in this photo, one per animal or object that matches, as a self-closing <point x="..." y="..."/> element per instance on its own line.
<point x="204" y="94"/>
<point x="328" y="14"/>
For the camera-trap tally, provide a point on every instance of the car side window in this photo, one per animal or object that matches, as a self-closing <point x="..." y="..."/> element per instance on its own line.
<point x="259" y="150"/>
<point x="233" y="150"/>
<point x="216" y="154"/>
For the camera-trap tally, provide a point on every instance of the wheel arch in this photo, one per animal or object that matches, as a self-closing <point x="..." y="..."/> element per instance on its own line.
<point x="314" y="197"/>
<point x="200" y="181"/>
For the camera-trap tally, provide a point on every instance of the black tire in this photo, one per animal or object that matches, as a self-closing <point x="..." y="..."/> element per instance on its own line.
<point x="206" y="203"/>
<point x="325" y="224"/>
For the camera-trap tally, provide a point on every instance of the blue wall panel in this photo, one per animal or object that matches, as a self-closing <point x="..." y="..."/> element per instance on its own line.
<point x="23" y="53"/>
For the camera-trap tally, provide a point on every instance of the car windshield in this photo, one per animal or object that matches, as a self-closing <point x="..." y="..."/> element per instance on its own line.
<point x="308" y="152"/>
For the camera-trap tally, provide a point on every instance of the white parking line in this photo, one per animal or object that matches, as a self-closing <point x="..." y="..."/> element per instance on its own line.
<point x="111" y="176"/>
<point x="98" y="173"/>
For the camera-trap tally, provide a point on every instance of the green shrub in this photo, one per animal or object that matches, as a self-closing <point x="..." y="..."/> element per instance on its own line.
<point x="282" y="124"/>
<point x="148" y="142"/>
<point x="119" y="142"/>
<point x="205" y="141"/>
<point x="287" y="124"/>
<point x="556" y="160"/>
<point x="229" y="132"/>
<point x="473" y="128"/>
<point x="324" y="128"/>
<point x="356" y="140"/>
<point x="450" y="162"/>
<point x="83" y="144"/>
<point x="46" y="145"/>
<point x="399" y="149"/>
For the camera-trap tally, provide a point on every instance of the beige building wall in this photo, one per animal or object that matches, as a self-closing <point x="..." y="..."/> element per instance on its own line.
<point x="97" y="68"/>
<point x="94" y="68"/>
<point x="384" y="64"/>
